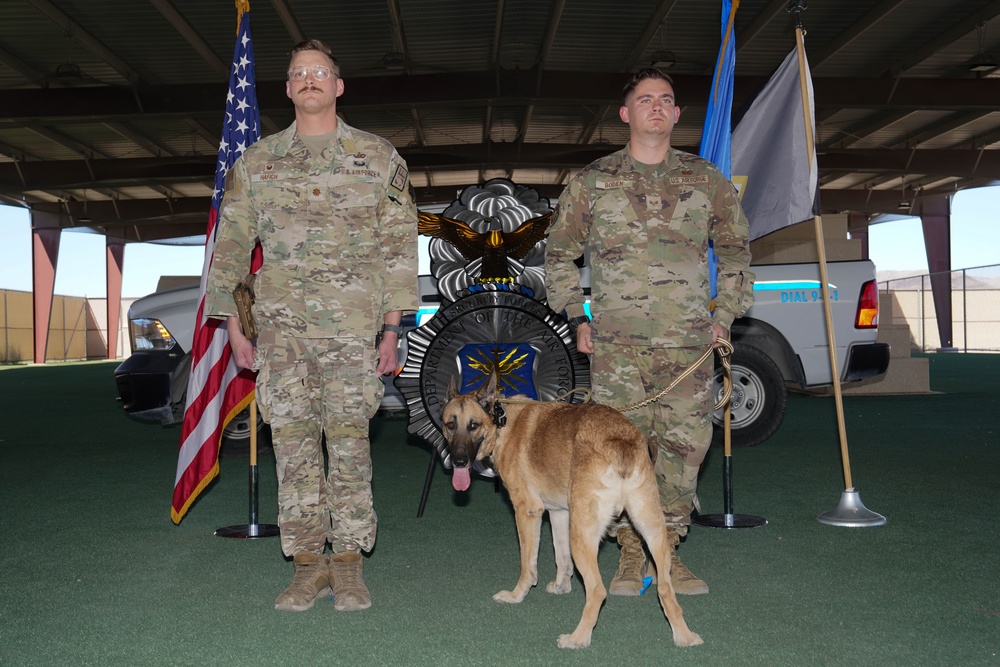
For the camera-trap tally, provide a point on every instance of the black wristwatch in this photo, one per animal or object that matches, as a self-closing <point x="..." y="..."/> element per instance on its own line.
<point x="577" y="321"/>
<point x="395" y="328"/>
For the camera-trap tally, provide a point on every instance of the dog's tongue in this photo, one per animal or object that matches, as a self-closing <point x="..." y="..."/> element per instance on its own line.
<point x="460" y="479"/>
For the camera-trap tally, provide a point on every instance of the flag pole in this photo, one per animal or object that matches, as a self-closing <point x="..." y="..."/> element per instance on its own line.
<point x="252" y="529"/>
<point x="716" y="146"/>
<point x="728" y="519"/>
<point x="850" y="511"/>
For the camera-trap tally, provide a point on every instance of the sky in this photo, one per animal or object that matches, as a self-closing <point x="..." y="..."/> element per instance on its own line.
<point x="893" y="246"/>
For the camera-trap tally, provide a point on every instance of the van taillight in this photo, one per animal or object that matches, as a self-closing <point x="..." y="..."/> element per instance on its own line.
<point x="867" y="316"/>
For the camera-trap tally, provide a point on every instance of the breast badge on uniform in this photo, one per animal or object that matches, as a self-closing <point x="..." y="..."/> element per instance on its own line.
<point x="487" y="255"/>
<point x="359" y="160"/>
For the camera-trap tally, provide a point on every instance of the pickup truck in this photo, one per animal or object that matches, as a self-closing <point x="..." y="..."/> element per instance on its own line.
<point x="152" y="381"/>
<point x="781" y="342"/>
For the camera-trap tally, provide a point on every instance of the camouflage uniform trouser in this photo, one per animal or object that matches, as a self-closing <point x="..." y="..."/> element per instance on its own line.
<point x="308" y="387"/>
<point x="678" y="426"/>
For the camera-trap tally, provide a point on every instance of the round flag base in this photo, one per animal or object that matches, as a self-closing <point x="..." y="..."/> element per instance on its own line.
<point x="248" y="531"/>
<point x="851" y="513"/>
<point x="729" y="520"/>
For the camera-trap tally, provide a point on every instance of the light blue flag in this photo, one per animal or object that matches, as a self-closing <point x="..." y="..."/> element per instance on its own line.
<point x="715" y="136"/>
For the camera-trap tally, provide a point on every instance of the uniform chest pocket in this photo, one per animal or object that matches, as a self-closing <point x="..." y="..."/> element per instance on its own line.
<point x="278" y="198"/>
<point x="351" y="193"/>
<point x="691" y="214"/>
<point x="615" y="222"/>
<point x="354" y="204"/>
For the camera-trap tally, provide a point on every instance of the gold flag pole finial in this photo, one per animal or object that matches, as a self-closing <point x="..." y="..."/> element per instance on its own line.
<point x="242" y="7"/>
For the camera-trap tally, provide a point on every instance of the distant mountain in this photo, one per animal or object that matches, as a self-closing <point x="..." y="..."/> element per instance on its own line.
<point x="975" y="279"/>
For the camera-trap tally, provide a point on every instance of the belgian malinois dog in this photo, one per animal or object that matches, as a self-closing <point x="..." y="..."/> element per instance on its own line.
<point x="584" y="464"/>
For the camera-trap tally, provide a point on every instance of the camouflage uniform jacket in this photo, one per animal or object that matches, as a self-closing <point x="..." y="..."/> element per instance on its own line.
<point x="648" y="227"/>
<point x="338" y="231"/>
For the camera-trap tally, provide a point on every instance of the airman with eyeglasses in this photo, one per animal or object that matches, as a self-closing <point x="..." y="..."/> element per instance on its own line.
<point x="333" y="211"/>
<point x="318" y="72"/>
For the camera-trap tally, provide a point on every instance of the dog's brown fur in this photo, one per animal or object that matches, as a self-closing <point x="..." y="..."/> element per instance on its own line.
<point x="583" y="463"/>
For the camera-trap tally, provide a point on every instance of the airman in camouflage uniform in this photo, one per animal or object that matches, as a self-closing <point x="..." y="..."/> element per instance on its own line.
<point x="332" y="208"/>
<point x="648" y="213"/>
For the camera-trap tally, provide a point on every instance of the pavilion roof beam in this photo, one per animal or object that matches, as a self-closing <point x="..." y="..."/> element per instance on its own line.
<point x="91" y="43"/>
<point x="943" y="40"/>
<point x="190" y="35"/>
<point x="288" y="19"/>
<point x="855" y="30"/>
<point x="555" y="16"/>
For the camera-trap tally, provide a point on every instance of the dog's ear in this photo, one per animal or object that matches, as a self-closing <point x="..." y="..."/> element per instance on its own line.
<point x="487" y="392"/>
<point x="453" y="387"/>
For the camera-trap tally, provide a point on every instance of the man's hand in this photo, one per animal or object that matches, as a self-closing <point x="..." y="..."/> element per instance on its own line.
<point x="719" y="332"/>
<point x="243" y="348"/>
<point x="583" y="342"/>
<point x="388" y="353"/>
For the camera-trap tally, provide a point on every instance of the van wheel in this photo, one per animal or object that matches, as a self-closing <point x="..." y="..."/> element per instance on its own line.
<point x="759" y="398"/>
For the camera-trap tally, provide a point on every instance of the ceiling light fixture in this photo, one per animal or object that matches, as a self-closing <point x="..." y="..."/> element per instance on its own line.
<point x="982" y="62"/>
<point x="904" y="203"/>
<point x="663" y="59"/>
<point x="84" y="218"/>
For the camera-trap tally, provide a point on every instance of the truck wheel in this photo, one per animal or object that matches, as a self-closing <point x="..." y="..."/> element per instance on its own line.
<point x="236" y="436"/>
<point x="759" y="398"/>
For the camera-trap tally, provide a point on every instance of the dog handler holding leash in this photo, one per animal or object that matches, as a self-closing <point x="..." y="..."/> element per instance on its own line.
<point x="648" y="213"/>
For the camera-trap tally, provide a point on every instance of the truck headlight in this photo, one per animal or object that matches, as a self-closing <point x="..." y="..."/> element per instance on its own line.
<point x="150" y="334"/>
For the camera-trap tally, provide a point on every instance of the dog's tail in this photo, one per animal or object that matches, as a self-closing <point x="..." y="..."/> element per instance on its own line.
<point x="611" y="436"/>
<point x="622" y="453"/>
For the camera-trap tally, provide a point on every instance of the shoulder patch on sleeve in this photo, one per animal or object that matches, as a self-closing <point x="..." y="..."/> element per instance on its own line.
<point x="232" y="185"/>
<point x="399" y="179"/>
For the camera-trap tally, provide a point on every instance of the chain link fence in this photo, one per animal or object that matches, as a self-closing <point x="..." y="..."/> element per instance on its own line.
<point x="975" y="309"/>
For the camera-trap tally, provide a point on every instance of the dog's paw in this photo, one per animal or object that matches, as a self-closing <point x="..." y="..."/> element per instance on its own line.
<point x="557" y="588"/>
<point x="567" y="641"/>
<point x="694" y="639"/>
<point x="510" y="597"/>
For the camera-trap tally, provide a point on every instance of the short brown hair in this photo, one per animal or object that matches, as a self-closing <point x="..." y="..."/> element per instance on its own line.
<point x="641" y="75"/>
<point x="316" y="45"/>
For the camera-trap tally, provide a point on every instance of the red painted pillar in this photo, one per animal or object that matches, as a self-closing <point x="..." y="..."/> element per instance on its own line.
<point x="44" y="257"/>
<point x="935" y="217"/>
<point x="115" y="258"/>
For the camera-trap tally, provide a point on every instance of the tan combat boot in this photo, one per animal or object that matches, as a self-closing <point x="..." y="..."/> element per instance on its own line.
<point x="628" y="579"/>
<point x="310" y="582"/>
<point x="348" y="581"/>
<point x="683" y="580"/>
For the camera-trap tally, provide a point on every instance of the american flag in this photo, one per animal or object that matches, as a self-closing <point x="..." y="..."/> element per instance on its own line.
<point x="217" y="391"/>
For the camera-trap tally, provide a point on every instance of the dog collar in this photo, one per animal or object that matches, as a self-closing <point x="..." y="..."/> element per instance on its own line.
<point x="499" y="415"/>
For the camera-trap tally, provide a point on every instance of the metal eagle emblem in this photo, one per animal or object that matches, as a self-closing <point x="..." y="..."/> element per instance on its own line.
<point x="487" y="252"/>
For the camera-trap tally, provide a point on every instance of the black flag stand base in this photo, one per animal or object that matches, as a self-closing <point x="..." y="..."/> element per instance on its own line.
<point x="728" y="519"/>
<point x="252" y="529"/>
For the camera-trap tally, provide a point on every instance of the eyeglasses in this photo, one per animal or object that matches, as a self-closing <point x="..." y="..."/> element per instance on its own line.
<point x="319" y="72"/>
